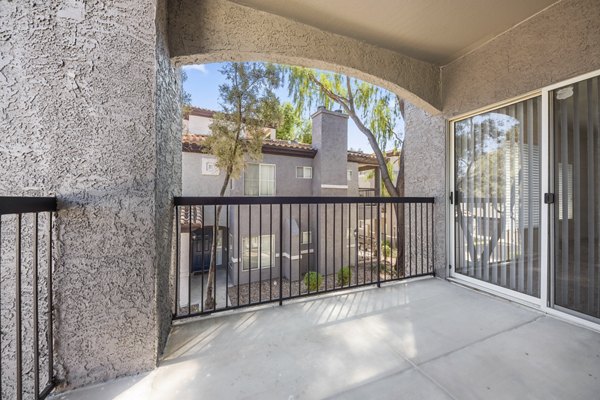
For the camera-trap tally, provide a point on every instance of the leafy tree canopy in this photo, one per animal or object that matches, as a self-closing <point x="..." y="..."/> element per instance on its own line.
<point x="248" y="104"/>
<point x="377" y="113"/>
<point x="292" y="126"/>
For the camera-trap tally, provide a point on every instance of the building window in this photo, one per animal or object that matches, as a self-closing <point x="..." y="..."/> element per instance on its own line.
<point x="349" y="175"/>
<point x="304" y="172"/>
<point x="259" y="180"/>
<point x="257" y="250"/>
<point x="209" y="166"/>
<point x="306" y="237"/>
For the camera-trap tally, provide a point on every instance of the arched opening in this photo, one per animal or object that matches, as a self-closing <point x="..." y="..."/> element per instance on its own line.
<point x="212" y="31"/>
<point x="251" y="267"/>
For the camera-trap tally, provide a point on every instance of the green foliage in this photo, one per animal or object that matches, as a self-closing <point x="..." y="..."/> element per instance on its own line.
<point x="344" y="276"/>
<point x="313" y="280"/>
<point x="387" y="249"/>
<point x="377" y="113"/>
<point x="288" y="123"/>
<point x="378" y="109"/>
<point x="249" y="105"/>
<point x="186" y="97"/>
<point x="304" y="133"/>
<point x="292" y="126"/>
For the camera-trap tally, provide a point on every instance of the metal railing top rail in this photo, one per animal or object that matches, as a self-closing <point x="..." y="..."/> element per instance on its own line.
<point x="198" y="201"/>
<point x="21" y="205"/>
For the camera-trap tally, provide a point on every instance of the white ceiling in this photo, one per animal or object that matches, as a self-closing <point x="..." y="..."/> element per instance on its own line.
<point x="437" y="31"/>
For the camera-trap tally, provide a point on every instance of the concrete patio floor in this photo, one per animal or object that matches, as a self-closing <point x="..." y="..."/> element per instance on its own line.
<point x="425" y="339"/>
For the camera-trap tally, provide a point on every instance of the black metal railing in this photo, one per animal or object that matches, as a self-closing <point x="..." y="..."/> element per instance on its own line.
<point x="257" y="250"/>
<point x="26" y="362"/>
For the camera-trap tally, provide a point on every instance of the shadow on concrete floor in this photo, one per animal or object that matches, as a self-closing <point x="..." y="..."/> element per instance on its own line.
<point x="425" y="339"/>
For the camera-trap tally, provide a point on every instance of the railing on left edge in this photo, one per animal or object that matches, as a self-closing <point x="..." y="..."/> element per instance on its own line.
<point x="256" y="250"/>
<point x="26" y="361"/>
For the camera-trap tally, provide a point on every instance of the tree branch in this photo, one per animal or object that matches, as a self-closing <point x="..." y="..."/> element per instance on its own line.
<point x="350" y="94"/>
<point x="385" y="175"/>
<point x="335" y="97"/>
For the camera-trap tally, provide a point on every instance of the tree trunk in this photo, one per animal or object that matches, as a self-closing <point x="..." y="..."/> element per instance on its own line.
<point x="210" y="302"/>
<point x="399" y="210"/>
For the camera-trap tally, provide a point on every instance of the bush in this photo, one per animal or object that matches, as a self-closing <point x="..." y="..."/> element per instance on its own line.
<point x="387" y="250"/>
<point x="313" y="280"/>
<point x="344" y="275"/>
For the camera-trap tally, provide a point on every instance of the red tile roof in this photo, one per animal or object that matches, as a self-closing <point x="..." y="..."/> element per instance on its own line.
<point x="195" y="144"/>
<point x="362" y="158"/>
<point x="201" y="112"/>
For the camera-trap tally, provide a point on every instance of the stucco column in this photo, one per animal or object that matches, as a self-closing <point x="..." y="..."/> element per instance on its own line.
<point x="90" y="113"/>
<point x="425" y="169"/>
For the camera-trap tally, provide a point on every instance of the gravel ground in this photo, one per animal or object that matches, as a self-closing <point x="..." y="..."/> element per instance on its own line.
<point x="265" y="290"/>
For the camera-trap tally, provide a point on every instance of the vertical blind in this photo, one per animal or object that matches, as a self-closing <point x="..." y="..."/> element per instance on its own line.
<point x="497" y="199"/>
<point x="576" y="126"/>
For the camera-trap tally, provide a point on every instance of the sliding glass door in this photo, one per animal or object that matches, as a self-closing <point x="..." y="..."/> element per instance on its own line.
<point x="497" y="196"/>
<point x="575" y="123"/>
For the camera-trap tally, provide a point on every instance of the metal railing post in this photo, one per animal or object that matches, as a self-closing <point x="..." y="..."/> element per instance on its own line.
<point x="378" y="245"/>
<point x="18" y="333"/>
<point x="280" y="254"/>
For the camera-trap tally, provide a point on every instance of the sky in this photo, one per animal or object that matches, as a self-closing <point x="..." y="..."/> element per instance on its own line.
<point x="203" y="85"/>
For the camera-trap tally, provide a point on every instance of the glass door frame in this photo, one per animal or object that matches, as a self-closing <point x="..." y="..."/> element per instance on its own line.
<point x="453" y="274"/>
<point x="548" y="177"/>
<point x="545" y="302"/>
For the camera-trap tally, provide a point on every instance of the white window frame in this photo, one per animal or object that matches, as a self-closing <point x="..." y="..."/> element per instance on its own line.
<point x="212" y="163"/>
<point x="304" y="170"/>
<point x="252" y="266"/>
<point x="306" y="235"/>
<point x="260" y="166"/>
<point x="349" y="175"/>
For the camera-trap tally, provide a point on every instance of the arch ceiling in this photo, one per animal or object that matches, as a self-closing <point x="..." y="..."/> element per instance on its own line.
<point x="396" y="45"/>
<point x="429" y="30"/>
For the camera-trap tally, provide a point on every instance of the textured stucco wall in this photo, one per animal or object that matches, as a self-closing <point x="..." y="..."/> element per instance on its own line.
<point x="196" y="184"/>
<point x="425" y="170"/>
<point x="330" y="138"/>
<point x="353" y="182"/>
<point x="286" y="183"/>
<point x="203" y="31"/>
<point x="79" y="120"/>
<point x="557" y="44"/>
<point x="168" y="120"/>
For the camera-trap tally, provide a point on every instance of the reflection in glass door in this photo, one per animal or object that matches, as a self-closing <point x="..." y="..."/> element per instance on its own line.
<point x="576" y="126"/>
<point x="497" y="196"/>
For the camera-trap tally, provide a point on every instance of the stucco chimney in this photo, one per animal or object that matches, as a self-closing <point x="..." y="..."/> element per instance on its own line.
<point x="330" y="138"/>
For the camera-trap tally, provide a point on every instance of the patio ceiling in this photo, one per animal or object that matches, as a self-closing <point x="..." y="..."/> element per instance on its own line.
<point x="437" y="31"/>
